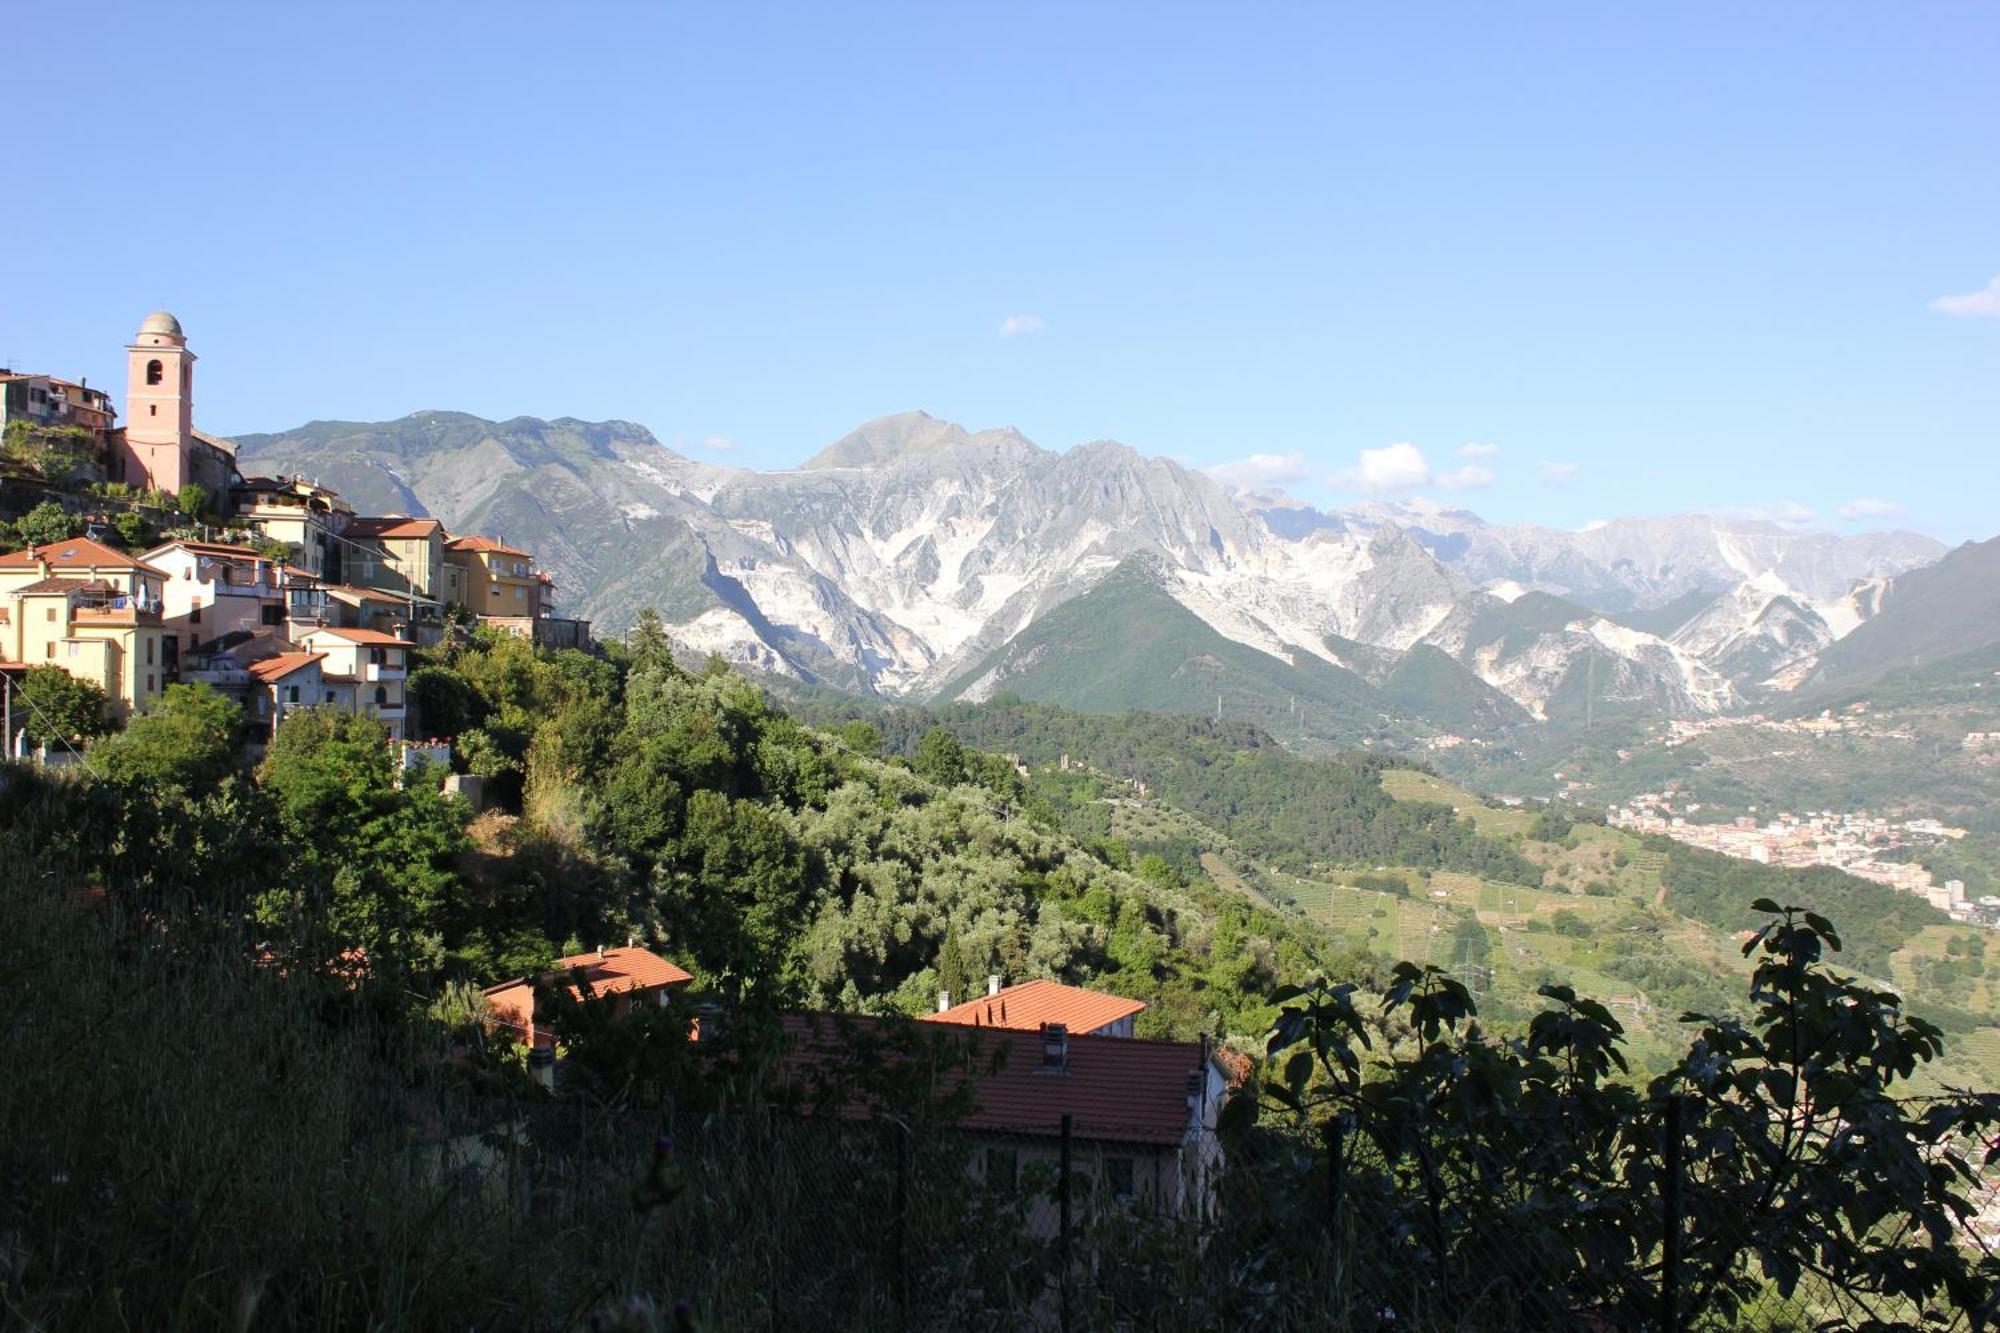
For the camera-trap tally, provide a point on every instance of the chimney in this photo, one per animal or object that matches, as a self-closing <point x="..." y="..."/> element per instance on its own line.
<point x="600" y="953"/>
<point x="542" y="1063"/>
<point x="1055" y="1048"/>
<point x="944" y="1000"/>
<point x="993" y="984"/>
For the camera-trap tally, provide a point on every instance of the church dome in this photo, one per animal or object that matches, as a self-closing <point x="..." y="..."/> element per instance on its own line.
<point x="162" y="322"/>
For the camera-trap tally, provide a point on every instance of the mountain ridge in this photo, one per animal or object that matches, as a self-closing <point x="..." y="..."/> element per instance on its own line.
<point x="904" y="558"/>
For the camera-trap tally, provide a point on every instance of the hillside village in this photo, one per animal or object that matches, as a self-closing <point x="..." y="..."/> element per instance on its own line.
<point x="271" y="590"/>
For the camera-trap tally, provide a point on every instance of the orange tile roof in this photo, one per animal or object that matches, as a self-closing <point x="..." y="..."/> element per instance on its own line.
<point x="77" y="553"/>
<point x="281" y="665"/>
<point x="57" y="585"/>
<point x="1116" y="1089"/>
<point x="368" y="636"/>
<point x="394" y="525"/>
<point x="606" y="972"/>
<point x="1032" y="1003"/>
<point x="221" y="550"/>
<point x="487" y="544"/>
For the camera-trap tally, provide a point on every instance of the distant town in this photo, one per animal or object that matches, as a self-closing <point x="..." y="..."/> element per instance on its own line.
<point x="1857" y="841"/>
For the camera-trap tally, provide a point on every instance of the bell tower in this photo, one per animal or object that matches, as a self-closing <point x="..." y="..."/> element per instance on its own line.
<point x="159" y="405"/>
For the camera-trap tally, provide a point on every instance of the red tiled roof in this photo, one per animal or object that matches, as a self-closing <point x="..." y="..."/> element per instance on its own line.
<point x="76" y="553"/>
<point x="64" y="586"/>
<point x="218" y="550"/>
<point x="1032" y="1003"/>
<point x="606" y="972"/>
<point x="487" y="544"/>
<point x="1115" y="1089"/>
<point x="395" y="525"/>
<point x="283" y="664"/>
<point x="368" y="636"/>
<point x="363" y="594"/>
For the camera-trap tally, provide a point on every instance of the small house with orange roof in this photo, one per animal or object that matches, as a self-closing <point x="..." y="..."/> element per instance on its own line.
<point x="364" y="671"/>
<point x="213" y="590"/>
<point x="1030" y="1005"/>
<point x="1140" y="1116"/>
<point x="627" y="977"/>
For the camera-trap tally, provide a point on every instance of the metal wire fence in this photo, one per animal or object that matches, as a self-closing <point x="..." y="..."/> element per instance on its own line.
<point x="776" y="1221"/>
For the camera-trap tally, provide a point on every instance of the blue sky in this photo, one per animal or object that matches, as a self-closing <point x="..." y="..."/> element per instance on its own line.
<point x="1649" y="258"/>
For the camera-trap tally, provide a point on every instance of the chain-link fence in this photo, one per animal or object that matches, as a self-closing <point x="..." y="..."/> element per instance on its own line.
<point x="773" y="1220"/>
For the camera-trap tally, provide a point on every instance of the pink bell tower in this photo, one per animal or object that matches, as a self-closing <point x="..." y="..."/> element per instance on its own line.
<point x="159" y="406"/>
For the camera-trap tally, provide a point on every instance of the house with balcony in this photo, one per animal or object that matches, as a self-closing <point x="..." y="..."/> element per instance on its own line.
<point x="284" y="683"/>
<point x="305" y="516"/>
<point x="92" y="610"/>
<point x="213" y="592"/>
<point x="493" y="580"/>
<point x="396" y="554"/>
<point x="363" y="672"/>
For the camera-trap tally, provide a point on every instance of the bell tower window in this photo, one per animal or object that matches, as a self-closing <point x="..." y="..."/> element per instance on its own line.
<point x="155" y="372"/>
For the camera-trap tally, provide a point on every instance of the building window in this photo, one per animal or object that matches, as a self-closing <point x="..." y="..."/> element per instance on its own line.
<point x="1118" y="1177"/>
<point x="51" y="615"/>
<point x="149" y="682"/>
<point x="329" y="696"/>
<point x="291" y="694"/>
<point x="381" y="696"/>
<point x="194" y="614"/>
<point x="152" y="409"/>
<point x="1003" y="1170"/>
<point x="52" y="647"/>
<point x="155" y="372"/>
<point x="149" y="652"/>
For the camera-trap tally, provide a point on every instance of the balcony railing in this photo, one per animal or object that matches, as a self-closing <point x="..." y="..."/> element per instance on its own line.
<point x="376" y="671"/>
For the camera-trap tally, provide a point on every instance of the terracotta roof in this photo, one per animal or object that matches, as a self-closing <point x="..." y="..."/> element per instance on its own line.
<point x="65" y="586"/>
<point x="487" y="544"/>
<point x="374" y="638"/>
<point x="77" y="553"/>
<point x="283" y="664"/>
<point x="1116" y="1089"/>
<point x="395" y="525"/>
<point x="1032" y="1003"/>
<point x="607" y="973"/>
<point x="363" y="594"/>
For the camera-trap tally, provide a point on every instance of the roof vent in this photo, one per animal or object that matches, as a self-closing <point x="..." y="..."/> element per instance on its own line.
<point x="1055" y="1047"/>
<point x="944" y="1000"/>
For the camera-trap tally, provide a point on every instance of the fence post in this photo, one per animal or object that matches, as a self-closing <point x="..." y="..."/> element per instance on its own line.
<point x="1670" y="1207"/>
<point x="1336" y="1173"/>
<point x="1062" y="1203"/>
<point x="899" y="1272"/>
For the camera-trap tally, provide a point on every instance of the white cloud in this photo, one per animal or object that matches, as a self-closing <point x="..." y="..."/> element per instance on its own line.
<point x="1396" y="467"/>
<point x="1869" y="507"/>
<point x="717" y="444"/>
<point x="1471" y="477"/>
<point x="1262" y="470"/>
<point x="1559" y="474"/>
<point x="1984" y="303"/>
<point x="1479" y="453"/>
<point x="1017" y="326"/>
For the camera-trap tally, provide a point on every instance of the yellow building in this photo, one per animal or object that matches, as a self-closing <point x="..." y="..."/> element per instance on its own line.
<point x="307" y="517"/>
<point x="91" y="610"/>
<point x="396" y="554"/>
<point x="492" y="579"/>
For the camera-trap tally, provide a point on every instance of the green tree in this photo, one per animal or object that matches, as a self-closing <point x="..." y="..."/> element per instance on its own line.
<point x="192" y="500"/>
<point x="447" y="703"/>
<point x="48" y="522"/>
<point x="648" y="642"/>
<point x="55" y="706"/>
<point x="374" y="868"/>
<point x="940" y="758"/>
<point x="188" y="739"/>
<point x="133" y="530"/>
